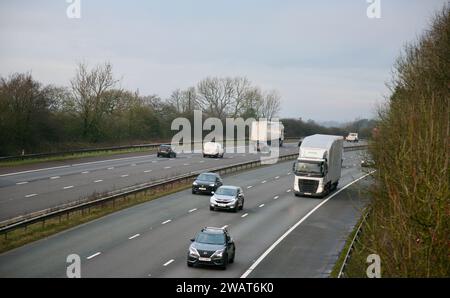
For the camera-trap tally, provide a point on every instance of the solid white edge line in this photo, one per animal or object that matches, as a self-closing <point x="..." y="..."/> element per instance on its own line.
<point x="168" y="262"/>
<point x="32" y="171"/>
<point x="21" y="183"/>
<point x="264" y="255"/>
<point x="93" y="256"/>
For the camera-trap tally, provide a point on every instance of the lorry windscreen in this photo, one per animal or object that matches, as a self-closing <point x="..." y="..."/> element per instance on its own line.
<point x="309" y="167"/>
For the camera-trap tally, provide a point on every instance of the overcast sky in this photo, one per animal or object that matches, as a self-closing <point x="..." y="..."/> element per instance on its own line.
<point x="327" y="59"/>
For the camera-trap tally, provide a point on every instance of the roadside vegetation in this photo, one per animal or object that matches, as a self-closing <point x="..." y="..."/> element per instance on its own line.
<point x="409" y="222"/>
<point x="95" y="111"/>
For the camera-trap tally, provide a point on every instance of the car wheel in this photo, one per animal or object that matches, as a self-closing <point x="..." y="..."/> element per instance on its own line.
<point x="236" y="208"/>
<point x="211" y="208"/>
<point x="193" y="192"/>
<point x="204" y="155"/>
<point x="232" y="258"/>
<point x="242" y="206"/>
<point x="189" y="264"/>
<point x="157" y="155"/>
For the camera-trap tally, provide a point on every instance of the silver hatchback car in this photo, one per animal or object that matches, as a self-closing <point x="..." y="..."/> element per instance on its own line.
<point x="227" y="197"/>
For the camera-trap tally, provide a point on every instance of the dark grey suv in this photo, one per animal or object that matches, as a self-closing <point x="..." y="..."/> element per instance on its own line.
<point x="211" y="246"/>
<point x="206" y="183"/>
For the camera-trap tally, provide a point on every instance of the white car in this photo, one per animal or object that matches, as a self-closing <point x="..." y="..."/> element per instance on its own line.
<point x="213" y="149"/>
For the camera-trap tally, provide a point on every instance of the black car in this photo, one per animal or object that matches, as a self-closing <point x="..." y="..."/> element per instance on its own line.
<point x="166" y="151"/>
<point x="211" y="246"/>
<point x="206" y="183"/>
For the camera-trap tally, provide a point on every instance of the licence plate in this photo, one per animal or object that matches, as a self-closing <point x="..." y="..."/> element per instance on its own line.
<point x="202" y="188"/>
<point x="205" y="259"/>
<point x="308" y="193"/>
<point x="221" y="205"/>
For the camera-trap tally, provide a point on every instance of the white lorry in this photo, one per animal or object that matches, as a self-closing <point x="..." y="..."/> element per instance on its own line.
<point x="213" y="149"/>
<point x="318" y="167"/>
<point x="263" y="133"/>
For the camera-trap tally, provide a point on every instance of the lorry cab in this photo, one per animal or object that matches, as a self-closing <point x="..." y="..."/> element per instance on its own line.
<point x="318" y="167"/>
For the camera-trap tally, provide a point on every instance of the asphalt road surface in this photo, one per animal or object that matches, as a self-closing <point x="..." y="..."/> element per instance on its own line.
<point x="151" y="239"/>
<point x="33" y="190"/>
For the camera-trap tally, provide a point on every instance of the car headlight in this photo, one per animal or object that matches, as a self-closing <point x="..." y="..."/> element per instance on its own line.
<point x="193" y="251"/>
<point x="212" y="199"/>
<point x="195" y="183"/>
<point x="218" y="253"/>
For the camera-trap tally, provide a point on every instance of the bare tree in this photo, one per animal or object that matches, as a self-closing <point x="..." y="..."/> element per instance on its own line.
<point x="216" y="96"/>
<point x="271" y="104"/>
<point x="91" y="90"/>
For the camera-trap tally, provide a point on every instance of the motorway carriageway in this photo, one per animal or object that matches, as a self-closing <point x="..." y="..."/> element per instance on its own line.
<point x="34" y="190"/>
<point x="151" y="239"/>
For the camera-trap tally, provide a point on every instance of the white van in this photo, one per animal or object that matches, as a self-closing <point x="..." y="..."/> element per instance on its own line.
<point x="213" y="149"/>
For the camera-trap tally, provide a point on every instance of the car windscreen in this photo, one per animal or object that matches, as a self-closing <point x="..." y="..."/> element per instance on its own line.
<point x="226" y="191"/>
<point x="206" y="177"/>
<point x="210" y="238"/>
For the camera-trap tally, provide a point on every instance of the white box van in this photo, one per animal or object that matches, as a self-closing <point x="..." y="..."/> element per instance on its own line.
<point x="213" y="149"/>
<point x="318" y="167"/>
<point x="352" y="137"/>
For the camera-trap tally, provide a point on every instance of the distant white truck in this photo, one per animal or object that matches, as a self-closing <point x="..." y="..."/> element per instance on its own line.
<point x="213" y="149"/>
<point x="263" y="133"/>
<point x="318" y="167"/>
<point x="352" y="137"/>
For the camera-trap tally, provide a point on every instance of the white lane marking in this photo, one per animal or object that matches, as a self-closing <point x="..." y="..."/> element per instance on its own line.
<point x="289" y="173"/>
<point x="54" y="177"/>
<point x="154" y="161"/>
<point x="168" y="262"/>
<point x="125" y="175"/>
<point x="186" y="164"/>
<point x="167" y="221"/>
<point x="31" y="195"/>
<point x="85" y="172"/>
<point x="201" y="161"/>
<point x="147" y="171"/>
<point x="93" y="256"/>
<point x="97" y="181"/>
<point x="264" y="181"/>
<point x="67" y="187"/>
<point x="289" y="190"/>
<point x="111" y="168"/>
<point x="167" y="167"/>
<point x="133" y="164"/>
<point x="134" y="236"/>
<point x="32" y="171"/>
<point x="275" y="197"/>
<point x="192" y="210"/>
<point x="277" y="177"/>
<point x="224" y="227"/>
<point x="260" y="206"/>
<point x="244" y="215"/>
<point x="21" y="183"/>
<point x="250" y="186"/>
<point x="264" y="255"/>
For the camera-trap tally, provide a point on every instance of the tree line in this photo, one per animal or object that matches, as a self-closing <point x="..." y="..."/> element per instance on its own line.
<point x="94" y="110"/>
